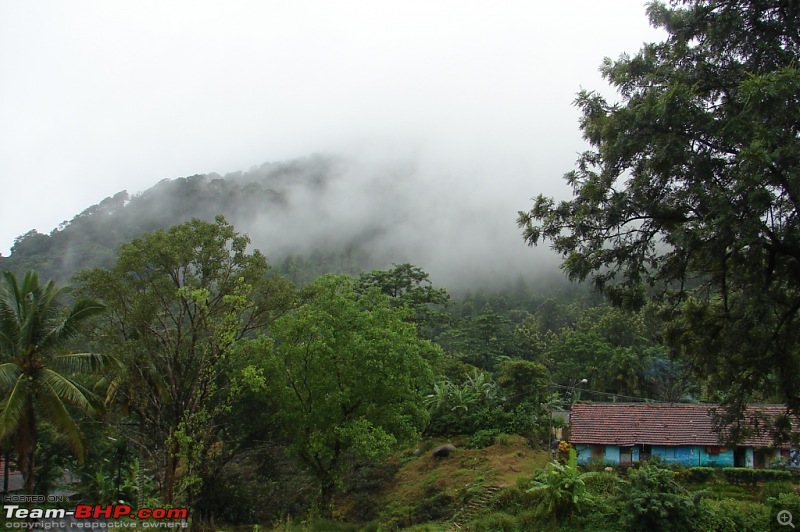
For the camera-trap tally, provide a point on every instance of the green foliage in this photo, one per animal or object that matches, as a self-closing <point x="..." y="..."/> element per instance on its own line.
<point x="729" y="515"/>
<point x="698" y="475"/>
<point x="749" y="476"/>
<point x="473" y="405"/>
<point x="773" y="488"/>
<point x="409" y="286"/>
<point x="179" y="304"/>
<point x="578" y="354"/>
<point x="92" y="238"/>
<point x="53" y="456"/>
<point x="654" y="501"/>
<point x="37" y="378"/>
<point x="561" y="491"/>
<point x="346" y="376"/>
<point x="523" y="382"/>
<point x="603" y="484"/>
<point x="784" y="501"/>
<point x="484" y="340"/>
<point x="496" y="521"/>
<point x="689" y="197"/>
<point x="483" y="438"/>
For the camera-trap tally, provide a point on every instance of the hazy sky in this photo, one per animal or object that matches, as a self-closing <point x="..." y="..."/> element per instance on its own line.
<point x="98" y="97"/>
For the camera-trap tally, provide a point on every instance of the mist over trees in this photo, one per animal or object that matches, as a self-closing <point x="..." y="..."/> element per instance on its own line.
<point x="309" y="216"/>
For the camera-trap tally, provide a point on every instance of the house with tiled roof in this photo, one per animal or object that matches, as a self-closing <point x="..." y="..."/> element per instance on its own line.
<point x="622" y="433"/>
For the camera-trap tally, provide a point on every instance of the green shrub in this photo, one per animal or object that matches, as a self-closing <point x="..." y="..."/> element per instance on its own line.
<point x="740" y="475"/>
<point x="482" y="438"/>
<point x="446" y="422"/>
<point x="767" y="475"/>
<point x="603" y="483"/>
<point x="745" y="475"/>
<point x="530" y="520"/>
<point x="329" y="525"/>
<point x="655" y="501"/>
<point x="497" y="521"/>
<point x="561" y="491"/>
<point x="504" y="439"/>
<point x="604" y="516"/>
<point x="774" y="488"/>
<point x="732" y="515"/>
<point x="436" y="507"/>
<point x="784" y="501"/>
<point x="697" y="475"/>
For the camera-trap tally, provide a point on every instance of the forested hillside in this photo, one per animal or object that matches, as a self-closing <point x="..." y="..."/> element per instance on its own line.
<point x="262" y="195"/>
<point x="309" y="216"/>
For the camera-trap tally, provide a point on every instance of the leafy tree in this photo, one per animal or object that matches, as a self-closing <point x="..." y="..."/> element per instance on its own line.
<point x="618" y="327"/>
<point x="409" y="285"/>
<point x="531" y="342"/>
<point x="667" y="380"/>
<point x="690" y="193"/>
<point x="180" y="302"/>
<point x="36" y="374"/>
<point x="347" y="378"/>
<point x="483" y="340"/>
<point x="579" y="355"/>
<point x="523" y="381"/>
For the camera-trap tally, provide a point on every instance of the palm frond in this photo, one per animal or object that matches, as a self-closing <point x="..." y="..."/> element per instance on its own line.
<point x="113" y="392"/>
<point x="12" y="293"/>
<point x="68" y="390"/>
<point x="54" y="409"/>
<point x="9" y="373"/>
<point x="67" y="329"/>
<point x="14" y="408"/>
<point x="83" y="362"/>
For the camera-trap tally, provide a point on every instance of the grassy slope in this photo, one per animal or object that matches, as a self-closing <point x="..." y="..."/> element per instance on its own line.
<point x="426" y="488"/>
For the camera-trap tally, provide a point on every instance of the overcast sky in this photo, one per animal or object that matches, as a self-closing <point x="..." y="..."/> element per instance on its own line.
<point x="98" y="97"/>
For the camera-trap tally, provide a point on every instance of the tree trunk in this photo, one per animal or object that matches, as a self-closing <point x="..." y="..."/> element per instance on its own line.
<point x="29" y="462"/>
<point x="327" y="490"/>
<point x="172" y="470"/>
<point x="31" y="469"/>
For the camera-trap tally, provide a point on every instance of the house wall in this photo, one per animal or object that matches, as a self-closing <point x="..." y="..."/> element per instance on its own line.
<point x="584" y="453"/>
<point x="686" y="455"/>
<point x="693" y="456"/>
<point x="612" y="454"/>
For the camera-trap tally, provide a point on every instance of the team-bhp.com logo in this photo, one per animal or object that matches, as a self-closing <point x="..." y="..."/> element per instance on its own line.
<point x="78" y="518"/>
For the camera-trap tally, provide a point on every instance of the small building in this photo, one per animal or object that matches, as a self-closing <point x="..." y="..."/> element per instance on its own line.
<point x="622" y="433"/>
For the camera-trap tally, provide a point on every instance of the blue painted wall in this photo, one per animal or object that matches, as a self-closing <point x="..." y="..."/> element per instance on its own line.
<point x="693" y="456"/>
<point x="584" y="454"/>
<point x="611" y="454"/>
<point x="689" y="456"/>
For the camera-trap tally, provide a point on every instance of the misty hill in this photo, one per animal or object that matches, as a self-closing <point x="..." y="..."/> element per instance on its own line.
<point x="309" y="216"/>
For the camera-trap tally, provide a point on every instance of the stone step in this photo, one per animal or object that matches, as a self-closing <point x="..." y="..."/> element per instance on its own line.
<point x="474" y="506"/>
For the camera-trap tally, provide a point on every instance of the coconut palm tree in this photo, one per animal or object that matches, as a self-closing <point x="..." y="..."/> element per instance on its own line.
<point x="36" y="372"/>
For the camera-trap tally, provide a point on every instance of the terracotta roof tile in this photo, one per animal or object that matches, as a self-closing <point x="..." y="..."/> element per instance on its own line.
<point x="655" y="424"/>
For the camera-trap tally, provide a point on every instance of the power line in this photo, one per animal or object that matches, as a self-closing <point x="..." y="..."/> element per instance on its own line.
<point x="614" y="395"/>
